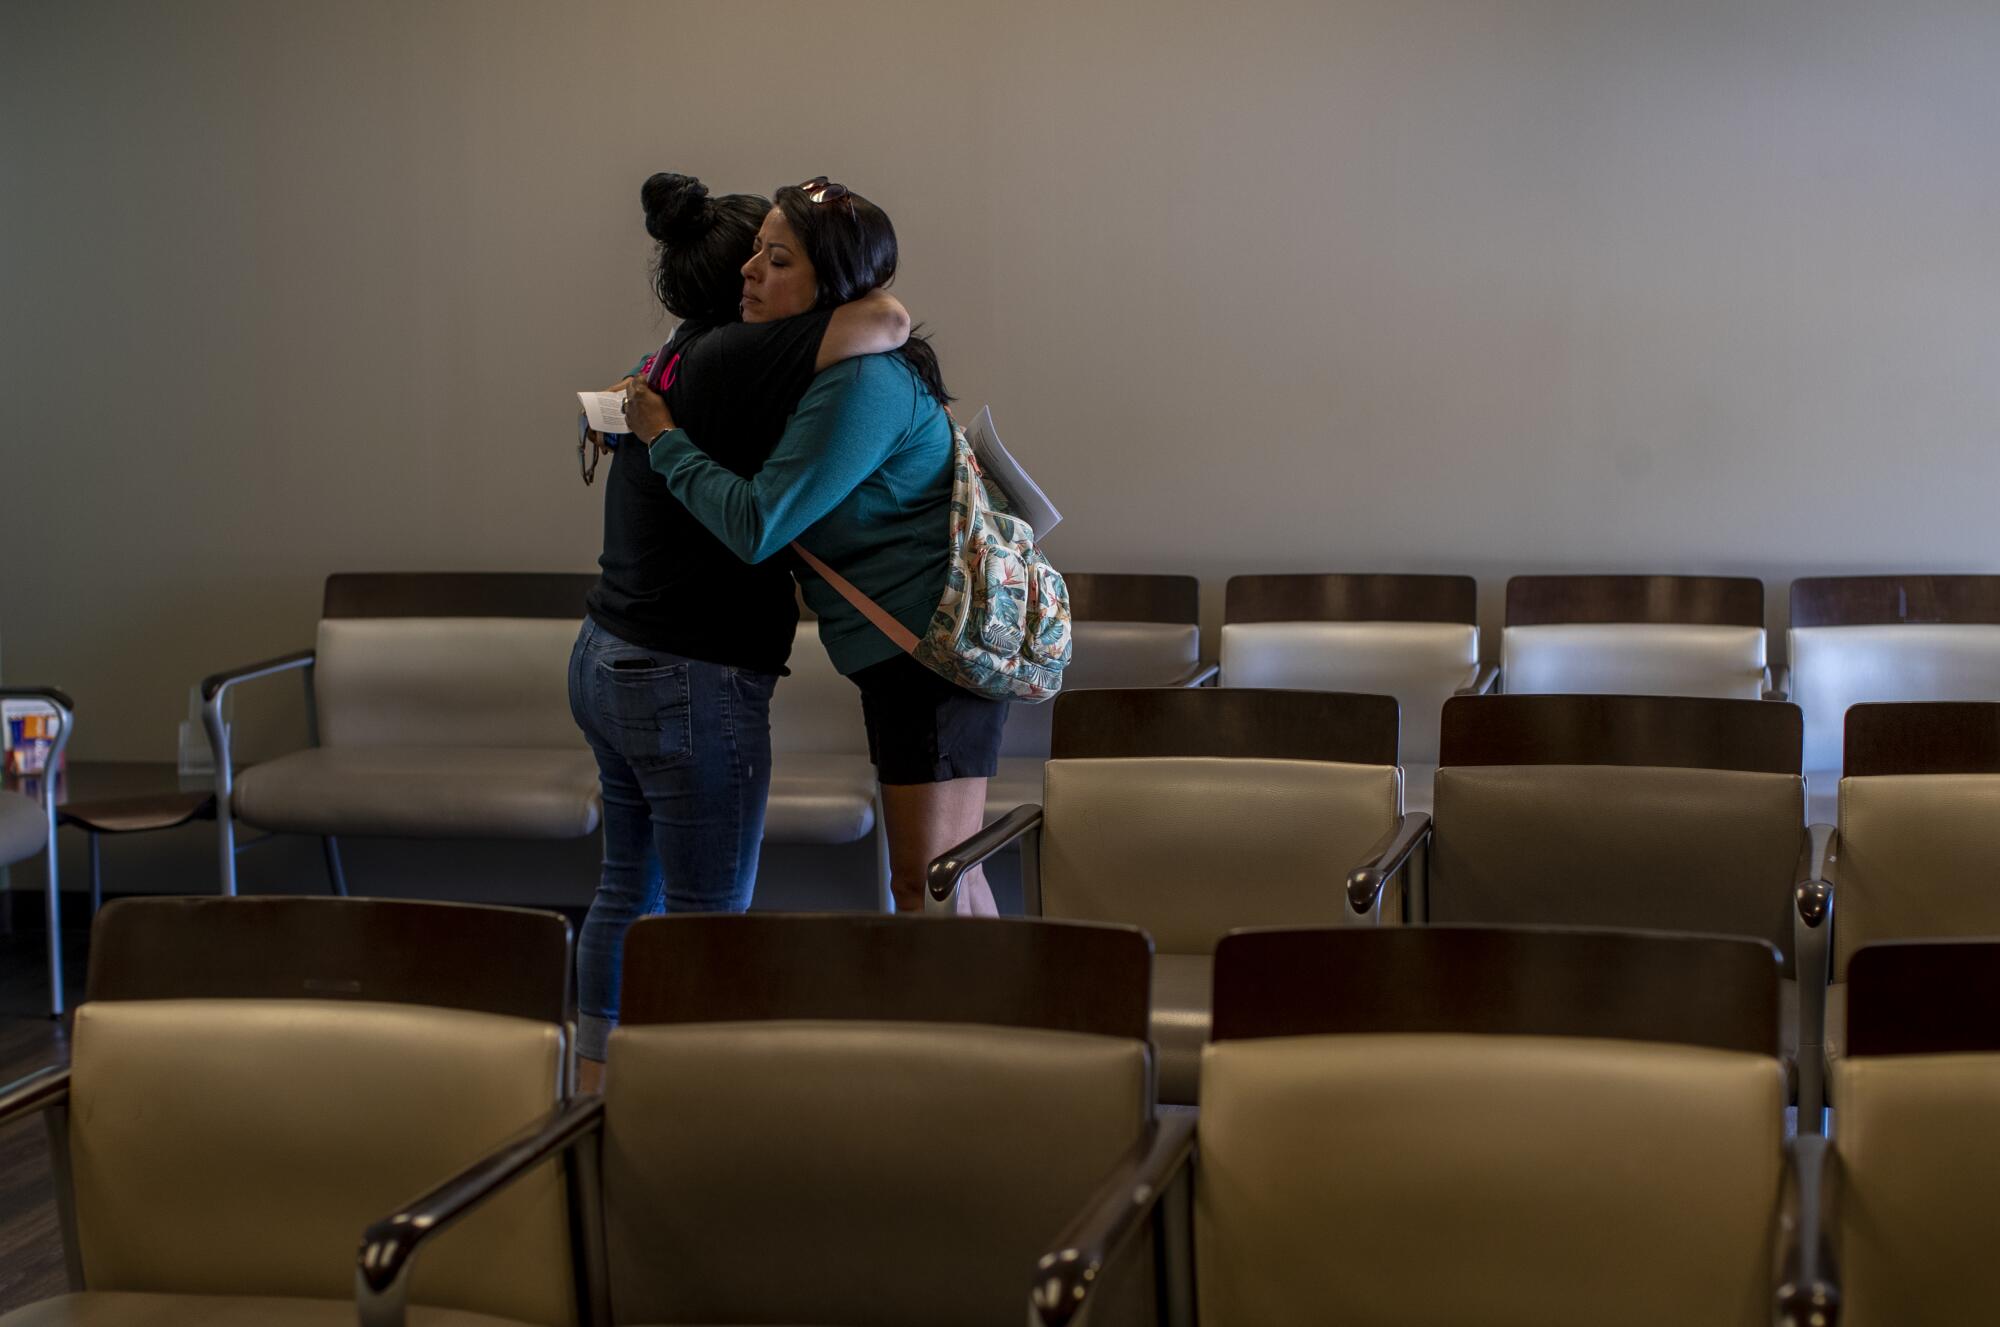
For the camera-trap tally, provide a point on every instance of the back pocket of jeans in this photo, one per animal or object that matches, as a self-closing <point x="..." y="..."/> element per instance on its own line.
<point x="645" y="710"/>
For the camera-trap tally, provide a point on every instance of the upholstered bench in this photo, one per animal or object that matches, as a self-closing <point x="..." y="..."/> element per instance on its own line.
<point x="440" y="709"/>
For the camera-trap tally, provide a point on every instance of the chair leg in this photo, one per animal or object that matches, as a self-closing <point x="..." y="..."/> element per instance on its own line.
<point x="225" y="830"/>
<point x="96" y="875"/>
<point x="334" y="878"/>
<point x="55" y="935"/>
<point x="885" y="897"/>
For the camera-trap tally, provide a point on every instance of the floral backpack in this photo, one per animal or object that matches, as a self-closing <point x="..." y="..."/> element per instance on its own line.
<point x="1002" y="629"/>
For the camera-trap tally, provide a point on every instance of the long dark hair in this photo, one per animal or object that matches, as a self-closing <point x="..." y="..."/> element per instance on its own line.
<point x="852" y="247"/>
<point x="703" y="244"/>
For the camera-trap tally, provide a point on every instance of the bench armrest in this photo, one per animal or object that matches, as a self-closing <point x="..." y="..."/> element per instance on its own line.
<point x="1066" y="1274"/>
<point x="1197" y="675"/>
<point x="1808" y="1283"/>
<point x="1778" y="682"/>
<point x="1390" y="855"/>
<point x="945" y="873"/>
<point x="1482" y="683"/>
<point x="215" y="689"/>
<point x="390" y="1246"/>
<point x="37" y="1092"/>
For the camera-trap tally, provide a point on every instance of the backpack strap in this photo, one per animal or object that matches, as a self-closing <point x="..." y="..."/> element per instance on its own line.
<point x="904" y="639"/>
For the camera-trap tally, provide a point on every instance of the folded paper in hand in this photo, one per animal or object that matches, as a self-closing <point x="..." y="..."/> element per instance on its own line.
<point x="1023" y="496"/>
<point x="605" y="410"/>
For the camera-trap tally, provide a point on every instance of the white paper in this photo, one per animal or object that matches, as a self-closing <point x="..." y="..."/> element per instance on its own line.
<point x="1024" y="497"/>
<point x="605" y="411"/>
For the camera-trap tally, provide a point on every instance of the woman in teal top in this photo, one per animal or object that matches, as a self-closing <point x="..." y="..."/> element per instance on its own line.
<point x="862" y="479"/>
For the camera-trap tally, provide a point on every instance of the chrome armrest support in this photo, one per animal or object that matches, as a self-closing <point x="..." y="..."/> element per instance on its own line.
<point x="1812" y="961"/>
<point x="37" y="1092"/>
<point x="215" y="689"/>
<point x="1197" y="675"/>
<point x="1808" y="1283"/>
<point x="1482" y="683"/>
<point x="1066" y="1274"/>
<point x="390" y="1246"/>
<point x="1390" y="855"/>
<point x="945" y="873"/>
<point x="1778" y="682"/>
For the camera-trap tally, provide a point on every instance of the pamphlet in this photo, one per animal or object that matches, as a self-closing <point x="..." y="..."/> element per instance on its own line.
<point x="605" y="411"/>
<point x="1023" y="496"/>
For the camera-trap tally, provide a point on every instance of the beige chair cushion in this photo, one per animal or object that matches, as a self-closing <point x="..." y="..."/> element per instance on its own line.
<point x="852" y="1172"/>
<point x="424" y="792"/>
<point x="1183" y="1004"/>
<point x="1919" y="1165"/>
<point x="1419" y="663"/>
<point x="446" y="682"/>
<point x="1919" y="859"/>
<point x="240" y="1147"/>
<point x="1634" y="659"/>
<point x="1835" y="667"/>
<point x="24" y="828"/>
<point x="819" y="798"/>
<point x="1448" y="1179"/>
<point x="116" y="1309"/>
<point x="815" y="710"/>
<point x="1189" y="848"/>
<point x="1631" y="846"/>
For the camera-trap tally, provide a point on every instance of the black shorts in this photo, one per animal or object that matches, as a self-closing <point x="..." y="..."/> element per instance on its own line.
<point x="923" y="729"/>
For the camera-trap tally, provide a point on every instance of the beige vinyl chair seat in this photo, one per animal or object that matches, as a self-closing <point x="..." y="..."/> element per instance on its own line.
<point x="424" y="791"/>
<point x="820" y="798"/>
<point x="24" y="828"/>
<point x="114" y="1308"/>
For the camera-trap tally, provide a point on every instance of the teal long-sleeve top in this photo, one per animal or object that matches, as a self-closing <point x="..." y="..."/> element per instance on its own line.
<point x="861" y="478"/>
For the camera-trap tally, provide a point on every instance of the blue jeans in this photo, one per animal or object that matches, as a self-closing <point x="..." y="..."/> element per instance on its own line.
<point x="684" y="760"/>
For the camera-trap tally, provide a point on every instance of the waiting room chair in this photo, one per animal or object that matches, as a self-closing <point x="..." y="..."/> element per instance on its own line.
<point x="1857" y="639"/>
<point x="253" y="1081"/>
<point x="1664" y="813"/>
<point x="438" y="707"/>
<point x="1465" y="1125"/>
<point x="1191" y="813"/>
<point x="1415" y="638"/>
<point x="1635" y="636"/>
<point x="1127" y="631"/>
<point x="28" y="827"/>
<point x="851" y="1118"/>
<point x="1917" y="851"/>
<point x="823" y="789"/>
<point x="1898" y="1228"/>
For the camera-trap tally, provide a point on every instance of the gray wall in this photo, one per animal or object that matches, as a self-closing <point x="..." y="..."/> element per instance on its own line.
<point x="1487" y="285"/>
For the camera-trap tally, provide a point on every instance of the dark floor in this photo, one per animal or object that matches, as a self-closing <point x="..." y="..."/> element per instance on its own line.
<point x="31" y="1261"/>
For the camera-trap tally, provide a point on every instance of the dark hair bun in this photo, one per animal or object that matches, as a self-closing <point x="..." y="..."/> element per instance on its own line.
<point x="676" y="206"/>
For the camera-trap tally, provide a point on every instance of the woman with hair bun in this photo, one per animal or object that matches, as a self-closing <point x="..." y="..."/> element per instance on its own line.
<point x="683" y="642"/>
<point x="862" y="479"/>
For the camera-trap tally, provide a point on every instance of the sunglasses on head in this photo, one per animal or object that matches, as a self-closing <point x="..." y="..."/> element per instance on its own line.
<point x="819" y="189"/>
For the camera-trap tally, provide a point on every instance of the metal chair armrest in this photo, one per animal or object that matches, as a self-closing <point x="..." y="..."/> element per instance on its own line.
<point x="948" y="870"/>
<point x="1482" y="683"/>
<point x="215" y="684"/>
<point x="39" y="1091"/>
<point x="1390" y="855"/>
<point x="390" y="1246"/>
<point x="1066" y="1274"/>
<point x="1809" y="1283"/>
<point x="1812" y="962"/>
<point x="1197" y="675"/>
<point x="1778" y="682"/>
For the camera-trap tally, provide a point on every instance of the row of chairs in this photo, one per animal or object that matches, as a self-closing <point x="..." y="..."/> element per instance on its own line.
<point x="436" y="704"/>
<point x="901" y="1120"/>
<point x="1193" y="813"/>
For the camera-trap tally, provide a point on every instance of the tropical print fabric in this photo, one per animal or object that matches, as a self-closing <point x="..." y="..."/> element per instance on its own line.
<point x="1002" y="628"/>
